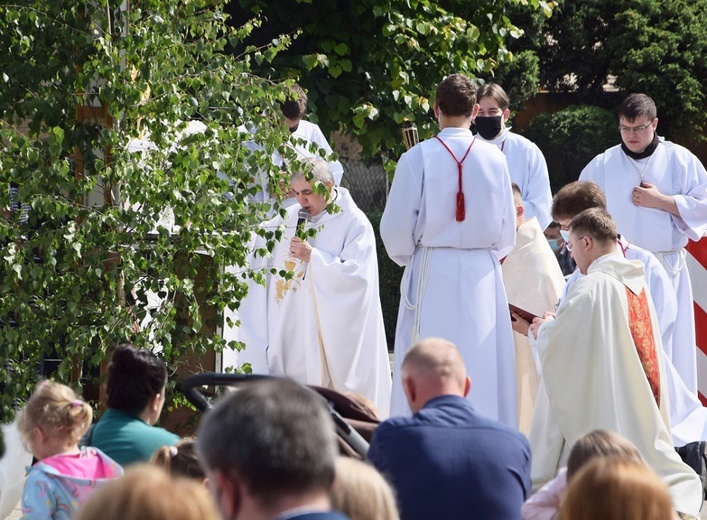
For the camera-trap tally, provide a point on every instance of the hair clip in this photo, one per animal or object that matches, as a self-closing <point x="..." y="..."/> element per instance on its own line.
<point x="173" y="451"/>
<point x="76" y="402"/>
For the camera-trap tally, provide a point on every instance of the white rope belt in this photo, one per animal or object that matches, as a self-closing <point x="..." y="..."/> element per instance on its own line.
<point x="424" y="270"/>
<point x="682" y="259"/>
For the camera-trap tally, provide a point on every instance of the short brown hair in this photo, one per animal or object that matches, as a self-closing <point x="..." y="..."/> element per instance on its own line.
<point x="275" y="434"/>
<point x="456" y="96"/>
<point x="575" y="197"/>
<point x="496" y="92"/>
<point x="296" y="104"/>
<point x="596" y="223"/>
<point x="636" y="106"/>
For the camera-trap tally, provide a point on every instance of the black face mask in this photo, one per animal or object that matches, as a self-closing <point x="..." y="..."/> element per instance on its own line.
<point x="488" y="127"/>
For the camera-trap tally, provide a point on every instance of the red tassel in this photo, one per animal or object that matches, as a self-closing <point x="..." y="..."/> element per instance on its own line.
<point x="461" y="211"/>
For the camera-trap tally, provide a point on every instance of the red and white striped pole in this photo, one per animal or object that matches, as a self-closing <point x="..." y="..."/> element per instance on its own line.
<point x="697" y="265"/>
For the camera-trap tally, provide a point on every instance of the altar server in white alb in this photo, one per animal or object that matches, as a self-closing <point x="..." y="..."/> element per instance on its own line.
<point x="526" y="162"/>
<point x="657" y="192"/>
<point x="307" y="139"/>
<point x="322" y="324"/>
<point x="449" y="219"/>
<point x="601" y="363"/>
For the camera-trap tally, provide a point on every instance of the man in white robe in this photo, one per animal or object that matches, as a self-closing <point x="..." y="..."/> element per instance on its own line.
<point x="534" y="282"/>
<point x="601" y="365"/>
<point x="449" y="218"/>
<point x="657" y="192"/>
<point x="308" y="141"/>
<point x="526" y="162"/>
<point x="688" y="418"/>
<point x="307" y="138"/>
<point x="321" y="324"/>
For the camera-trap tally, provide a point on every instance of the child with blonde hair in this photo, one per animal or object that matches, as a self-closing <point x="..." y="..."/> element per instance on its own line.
<point x="65" y="475"/>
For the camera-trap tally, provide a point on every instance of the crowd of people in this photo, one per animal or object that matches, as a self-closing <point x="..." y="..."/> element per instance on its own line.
<point x="566" y="404"/>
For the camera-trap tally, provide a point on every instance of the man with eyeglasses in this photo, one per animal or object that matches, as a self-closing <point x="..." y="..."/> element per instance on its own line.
<point x="526" y="162"/>
<point x="657" y="192"/>
<point x="688" y="418"/>
<point x="601" y="364"/>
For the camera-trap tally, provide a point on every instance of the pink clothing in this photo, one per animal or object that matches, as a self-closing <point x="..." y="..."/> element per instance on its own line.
<point x="84" y="464"/>
<point x="57" y="486"/>
<point x="544" y="504"/>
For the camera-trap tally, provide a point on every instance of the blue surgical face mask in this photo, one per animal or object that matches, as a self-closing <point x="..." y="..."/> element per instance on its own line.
<point x="554" y="243"/>
<point x="565" y="235"/>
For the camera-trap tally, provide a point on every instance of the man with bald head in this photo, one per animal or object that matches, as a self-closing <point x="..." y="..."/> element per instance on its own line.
<point x="446" y="460"/>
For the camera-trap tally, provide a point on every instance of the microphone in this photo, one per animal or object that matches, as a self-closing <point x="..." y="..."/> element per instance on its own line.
<point x="410" y="135"/>
<point x="302" y="219"/>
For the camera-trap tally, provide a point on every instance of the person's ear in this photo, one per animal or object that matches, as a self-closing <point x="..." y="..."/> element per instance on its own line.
<point x="475" y="111"/>
<point x="227" y="493"/>
<point x="506" y="115"/>
<point x="467" y="385"/>
<point x="37" y="434"/>
<point x="435" y="109"/>
<point x="410" y="390"/>
<point x="520" y="210"/>
<point x="588" y="241"/>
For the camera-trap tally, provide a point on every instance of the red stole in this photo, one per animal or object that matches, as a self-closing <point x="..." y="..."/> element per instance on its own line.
<point x="639" y="322"/>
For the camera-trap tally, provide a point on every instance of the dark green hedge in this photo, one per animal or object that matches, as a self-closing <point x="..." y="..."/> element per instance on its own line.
<point x="572" y="137"/>
<point x="389" y="274"/>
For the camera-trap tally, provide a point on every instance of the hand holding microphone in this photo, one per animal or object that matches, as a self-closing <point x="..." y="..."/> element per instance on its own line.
<point x="302" y="219"/>
<point x="299" y="247"/>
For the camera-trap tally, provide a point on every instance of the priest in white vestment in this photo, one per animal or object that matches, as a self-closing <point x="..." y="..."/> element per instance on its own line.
<point x="526" y="162"/>
<point x="601" y="364"/>
<point x="322" y="323"/>
<point x="657" y="192"/>
<point x="449" y="218"/>
<point x="688" y="418"/>
<point x="534" y="282"/>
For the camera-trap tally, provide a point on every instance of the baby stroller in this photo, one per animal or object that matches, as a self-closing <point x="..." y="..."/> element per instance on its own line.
<point x="354" y="421"/>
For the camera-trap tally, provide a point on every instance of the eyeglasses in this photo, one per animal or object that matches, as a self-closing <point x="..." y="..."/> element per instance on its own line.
<point x="635" y="129"/>
<point x="569" y="246"/>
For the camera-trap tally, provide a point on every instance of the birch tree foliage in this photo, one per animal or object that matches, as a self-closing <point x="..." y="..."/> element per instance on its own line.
<point x="127" y="179"/>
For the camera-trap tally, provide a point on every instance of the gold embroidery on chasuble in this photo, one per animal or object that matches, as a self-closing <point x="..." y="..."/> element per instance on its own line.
<point x="639" y="320"/>
<point x="284" y="285"/>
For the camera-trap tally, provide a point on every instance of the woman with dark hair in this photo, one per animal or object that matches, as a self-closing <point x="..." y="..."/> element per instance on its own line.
<point x="136" y="392"/>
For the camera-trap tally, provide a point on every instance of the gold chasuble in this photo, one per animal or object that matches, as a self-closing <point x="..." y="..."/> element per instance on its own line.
<point x="601" y="370"/>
